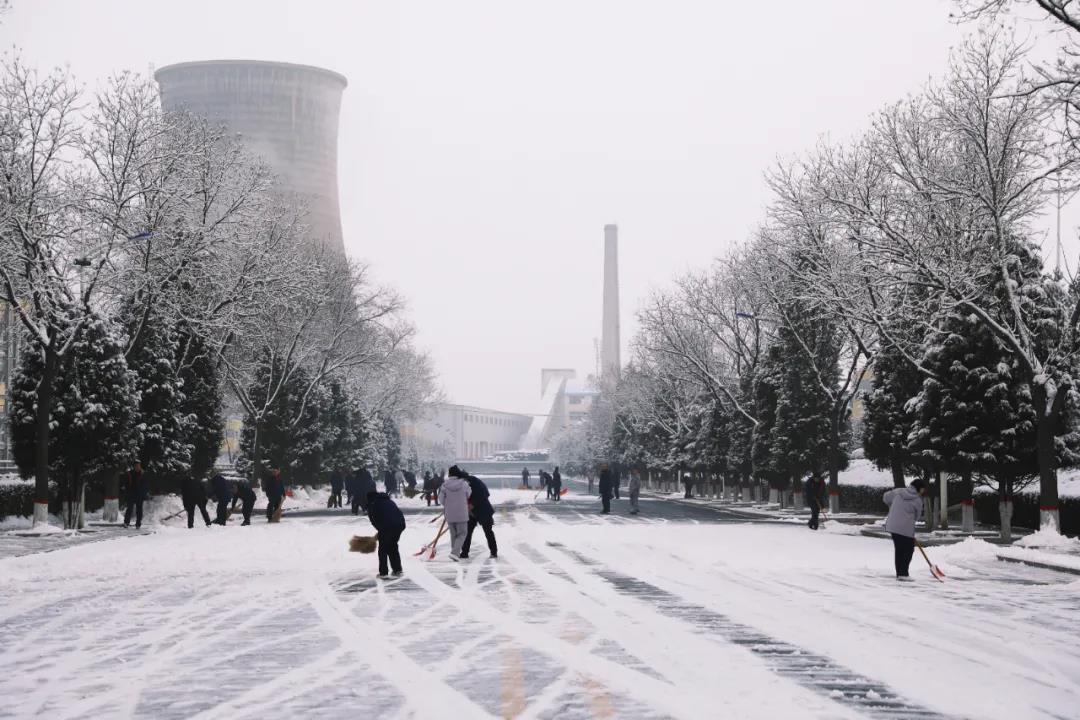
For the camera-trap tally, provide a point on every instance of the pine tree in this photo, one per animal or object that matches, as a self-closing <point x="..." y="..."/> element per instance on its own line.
<point x="339" y="431"/>
<point x="165" y="452"/>
<point x="204" y="424"/>
<point x="93" y="411"/>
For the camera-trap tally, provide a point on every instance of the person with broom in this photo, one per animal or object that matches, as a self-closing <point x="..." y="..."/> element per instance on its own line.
<point x="482" y="513"/>
<point x="815" y="493"/>
<point x="556" y="484"/>
<point x="454" y="495"/>
<point x="905" y="509"/>
<point x="389" y="523"/>
<point x="275" y="493"/>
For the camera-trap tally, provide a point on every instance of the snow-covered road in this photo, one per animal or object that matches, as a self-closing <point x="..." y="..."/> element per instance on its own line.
<point x="680" y="612"/>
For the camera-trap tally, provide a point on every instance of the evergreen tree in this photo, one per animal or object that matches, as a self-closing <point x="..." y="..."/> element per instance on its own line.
<point x="393" y="443"/>
<point x="165" y="451"/>
<point x="204" y="424"/>
<point x="93" y="410"/>
<point x="338" y="427"/>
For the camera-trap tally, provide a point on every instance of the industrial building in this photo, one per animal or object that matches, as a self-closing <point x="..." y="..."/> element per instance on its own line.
<point x="286" y="114"/>
<point x="464" y="432"/>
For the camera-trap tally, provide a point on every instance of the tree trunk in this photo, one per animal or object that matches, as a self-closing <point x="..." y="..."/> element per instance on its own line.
<point x="897" y="466"/>
<point x="943" y="486"/>
<point x="834" y="462"/>
<point x="1048" y="482"/>
<point x="256" y="457"/>
<point x="41" y="436"/>
<point x="797" y="493"/>
<point x="1005" y="506"/>
<point x="111" y="512"/>
<point x="967" y="503"/>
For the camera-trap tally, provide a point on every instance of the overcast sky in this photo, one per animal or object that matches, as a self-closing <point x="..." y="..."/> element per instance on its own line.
<point x="484" y="144"/>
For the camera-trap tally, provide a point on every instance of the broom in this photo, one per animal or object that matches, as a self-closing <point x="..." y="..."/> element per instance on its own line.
<point x="363" y="543"/>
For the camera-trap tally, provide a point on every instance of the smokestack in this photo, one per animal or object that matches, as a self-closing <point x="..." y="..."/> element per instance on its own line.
<point x="610" y="363"/>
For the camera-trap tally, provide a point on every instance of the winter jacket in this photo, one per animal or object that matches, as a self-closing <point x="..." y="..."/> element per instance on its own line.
<point x="192" y="492"/>
<point x="556" y="479"/>
<point x="454" y="496"/>
<point x="635" y="483"/>
<point x="384" y="513"/>
<point x="220" y="486"/>
<point x="389" y="483"/>
<point x="364" y="484"/>
<point x="481" y="504"/>
<point x="273" y="487"/>
<point x="814" y="492"/>
<point x="137" y="486"/>
<point x="244" y="492"/>
<point x="336" y="482"/>
<point x="607" y="483"/>
<point x="410" y="479"/>
<point x="905" y="509"/>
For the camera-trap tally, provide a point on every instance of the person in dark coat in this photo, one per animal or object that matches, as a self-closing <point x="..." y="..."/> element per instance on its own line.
<point x="135" y="493"/>
<point x="429" y="487"/>
<point x="688" y="483"/>
<point x="220" y="487"/>
<point x="389" y="523"/>
<point x="814" y="489"/>
<point x="390" y="482"/>
<point x="410" y="480"/>
<point x="246" y="495"/>
<point x="481" y="513"/>
<point x="607" y="486"/>
<point x="437" y="483"/>
<point x="545" y="482"/>
<point x="556" y="485"/>
<point x="337" y="483"/>
<point x="616" y="480"/>
<point x="525" y="477"/>
<point x="275" y="492"/>
<point x="365" y="484"/>
<point x="352" y="483"/>
<point x="193" y="495"/>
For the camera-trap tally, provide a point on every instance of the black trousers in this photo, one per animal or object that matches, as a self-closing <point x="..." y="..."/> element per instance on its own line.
<point x="135" y="505"/>
<point x="246" y="509"/>
<point x="191" y="513"/>
<point x="556" y="493"/>
<point x="388" y="550"/>
<point x="335" y="499"/>
<point x="272" y="504"/>
<point x="356" y="504"/>
<point x="606" y="499"/>
<point x="904" y="548"/>
<point x="616" y="492"/>
<point x="689" y="492"/>
<point x="489" y="533"/>
<point x="222" y="512"/>
<point x="814" y="510"/>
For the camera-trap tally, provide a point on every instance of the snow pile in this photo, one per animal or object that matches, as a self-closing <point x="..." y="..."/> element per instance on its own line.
<point x="863" y="472"/>
<point x="1050" y="539"/>
<point x="970" y="550"/>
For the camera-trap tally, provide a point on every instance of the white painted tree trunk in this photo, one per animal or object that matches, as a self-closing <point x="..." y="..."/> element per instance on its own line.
<point x="944" y="516"/>
<point x="834" y="502"/>
<point x="797" y="502"/>
<point x="729" y="493"/>
<point x="1005" y="509"/>
<point x="41" y="513"/>
<point x="111" y="512"/>
<point x="1050" y="519"/>
<point x="967" y="516"/>
<point x="774" y="496"/>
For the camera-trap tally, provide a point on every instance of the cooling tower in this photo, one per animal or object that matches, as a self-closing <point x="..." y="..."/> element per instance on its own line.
<point x="610" y="364"/>
<point x="287" y="114"/>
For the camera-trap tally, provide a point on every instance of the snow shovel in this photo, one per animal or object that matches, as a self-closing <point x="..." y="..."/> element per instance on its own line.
<point x="431" y="545"/>
<point x="934" y="569"/>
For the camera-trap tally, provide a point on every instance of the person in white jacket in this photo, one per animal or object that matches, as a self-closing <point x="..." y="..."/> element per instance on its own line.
<point x="454" y="496"/>
<point x="905" y="509"/>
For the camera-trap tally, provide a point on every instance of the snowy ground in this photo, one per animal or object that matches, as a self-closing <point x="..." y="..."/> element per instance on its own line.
<point x="681" y="612"/>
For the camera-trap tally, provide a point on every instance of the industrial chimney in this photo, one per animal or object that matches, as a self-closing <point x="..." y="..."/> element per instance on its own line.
<point x="610" y="363"/>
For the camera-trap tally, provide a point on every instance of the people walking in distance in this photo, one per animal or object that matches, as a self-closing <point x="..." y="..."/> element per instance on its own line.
<point x="525" y="478"/>
<point x="337" y="483"/>
<point x="688" y="483"/>
<point x="634" y="488"/>
<point x="246" y="496"/>
<point x="482" y="513"/>
<point x="222" y="494"/>
<point x="135" y="493"/>
<point x="607" y="487"/>
<point x="193" y="495"/>
<point x="363" y="486"/>
<point x="454" y="495"/>
<point x="274" y="489"/>
<point x="905" y="509"/>
<point x="389" y="523"/>
<point x="814" y="492"/>
<point x="556" y="484"/>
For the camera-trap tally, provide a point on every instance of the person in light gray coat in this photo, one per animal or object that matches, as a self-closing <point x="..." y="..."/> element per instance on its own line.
<point x="454" y="496"/>
<point x="905" y="509"/>
<point x="635" y="489"/>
